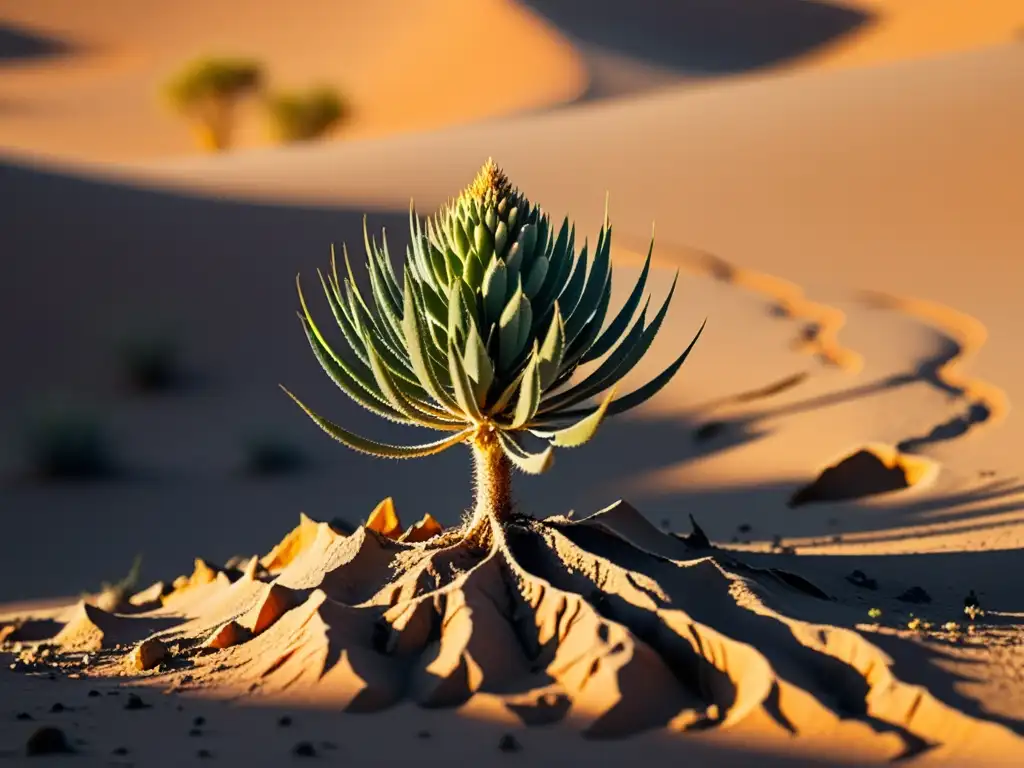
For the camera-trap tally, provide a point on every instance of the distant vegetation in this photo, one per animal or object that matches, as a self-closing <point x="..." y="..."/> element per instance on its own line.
<point x="151" y="364"/>
<point x="268" y="454"/>
<point x="66" y="445"/>
<point x="207" y="92"/>
<point x="304" y="115"/>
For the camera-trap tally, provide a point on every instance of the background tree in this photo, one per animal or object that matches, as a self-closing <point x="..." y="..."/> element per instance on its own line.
<point x="304" y="115"/>
<point x="207" y="92"/>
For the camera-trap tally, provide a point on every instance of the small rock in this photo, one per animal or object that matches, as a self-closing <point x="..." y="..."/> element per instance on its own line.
<point x="47" y="741"/>
<point x="915" y="595"/>
<point x="57" y="707"/>
<point x="200" y="720"/>
<point x="744" y="528"/>
<point x="147" y="654"/>
<point x="423" y="735"/>
<point x="285" y="721"/>
<point x="204" y="753"/>
<point x="135" y="702"/>
<point x="120" y="751"/>
<point x="23" y="716"/>
<point x="229" y="634"/>
<point x="860" y="579"/>
<point x="93" y="694"/>
<point x="304" y="749"/>
<point x="509" y="743"/>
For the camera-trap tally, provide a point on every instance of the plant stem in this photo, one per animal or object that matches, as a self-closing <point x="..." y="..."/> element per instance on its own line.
<point x="492" y="473"/>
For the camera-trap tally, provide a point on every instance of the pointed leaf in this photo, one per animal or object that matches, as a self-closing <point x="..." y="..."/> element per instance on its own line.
<point x="529" y="394"/>
<point x="531" y="463"/>
<point x="372" y="447"/>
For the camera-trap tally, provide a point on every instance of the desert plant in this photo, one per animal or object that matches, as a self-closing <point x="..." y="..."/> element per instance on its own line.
<point x="207" y="92"/>
<point x="150" y="363"/>
<point x="495" y="314"/>
<point x="268" y="454"/>
<point x="304" y="115"/>
<point x="65" y="444"/>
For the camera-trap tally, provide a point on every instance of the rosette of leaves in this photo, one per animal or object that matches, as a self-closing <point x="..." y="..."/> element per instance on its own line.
<point x="500" y="332"/>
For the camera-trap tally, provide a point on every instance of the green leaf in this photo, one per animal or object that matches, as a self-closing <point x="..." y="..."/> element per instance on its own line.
<point x="618" y="325"/>
<point x="535" y="281"/>
<point x="422" y="365"/>
<point x="531" y="463"/>
<point x="484" y="242"/>
<point x="495" y="289"/>
<point x="465" y="395"/>
<point x="508" y="330"/>
<point x="597" y="282"/>
<point x="500" y="239"/>
<point x="383" y="450"/>
<point x="643" y="394"/>
<point x="529" y="394"/>
<point x="584" y="429"/>
<point x="478" y="365"/>
<point x="550" y="357"/>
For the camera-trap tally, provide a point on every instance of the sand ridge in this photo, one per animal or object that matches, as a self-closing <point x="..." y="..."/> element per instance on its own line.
<point x="986" y="403"/>
<point x="611" y="635"/>
<point x="820" y="335"/>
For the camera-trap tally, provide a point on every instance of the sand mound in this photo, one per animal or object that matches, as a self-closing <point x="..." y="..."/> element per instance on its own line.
<point x="603" y="622"/>
<point x="868" y="471"/>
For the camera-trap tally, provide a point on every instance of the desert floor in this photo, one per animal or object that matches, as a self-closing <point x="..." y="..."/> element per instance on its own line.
<point x="838" y="184"/>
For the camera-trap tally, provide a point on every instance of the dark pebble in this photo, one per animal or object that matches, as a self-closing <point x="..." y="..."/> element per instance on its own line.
<point x="57" y="707"/>
<point x="120" y="751"/>
<point x="423" y="735"/>
<point x="23" y="716"/>
<point x="93" y="694"/>
<point x="744" y="528"/>
<point x="860" y="579"/>
<point x="509" y="743"/>
<point x="304" y="749"/>
<point x="204" y="753"/>
<point x="200" y="720"/>
<point x="914" y="595"/>
<point x="135" y="702"/>
<point x="47" y="741"/>
<point x="285" y="721"/>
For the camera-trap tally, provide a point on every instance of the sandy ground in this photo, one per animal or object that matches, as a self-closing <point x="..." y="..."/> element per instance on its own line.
<point x="850" y="232"/>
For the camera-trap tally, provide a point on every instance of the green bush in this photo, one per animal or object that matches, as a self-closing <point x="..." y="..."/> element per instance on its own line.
<point x="68" y="445"/>
<point x="269" y="454"/>
<point x="304" y="115"/>
<point x="150" y="364"/>
<point x="207" y="90"/>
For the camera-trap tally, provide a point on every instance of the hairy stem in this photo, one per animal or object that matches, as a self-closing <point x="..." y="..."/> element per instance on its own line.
<point x="492" y="473"/>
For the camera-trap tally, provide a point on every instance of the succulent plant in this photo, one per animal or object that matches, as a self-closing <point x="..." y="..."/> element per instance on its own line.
<point x="495" y="313"/>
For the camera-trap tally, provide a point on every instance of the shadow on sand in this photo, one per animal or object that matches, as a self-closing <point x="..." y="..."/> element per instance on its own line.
<point x="704" y="37"/>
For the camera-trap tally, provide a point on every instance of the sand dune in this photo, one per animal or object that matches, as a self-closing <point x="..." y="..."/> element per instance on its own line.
<point x="810" y="186"/>
<point x="100" y="99"/>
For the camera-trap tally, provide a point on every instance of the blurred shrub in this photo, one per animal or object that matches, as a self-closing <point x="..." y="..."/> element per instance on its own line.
<point x="64" y="444"/>
<point x="304" y="115"/>
<point x="151" y="364"/>
<point x="207" y="90"/>
<point x="268" y="454"/>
